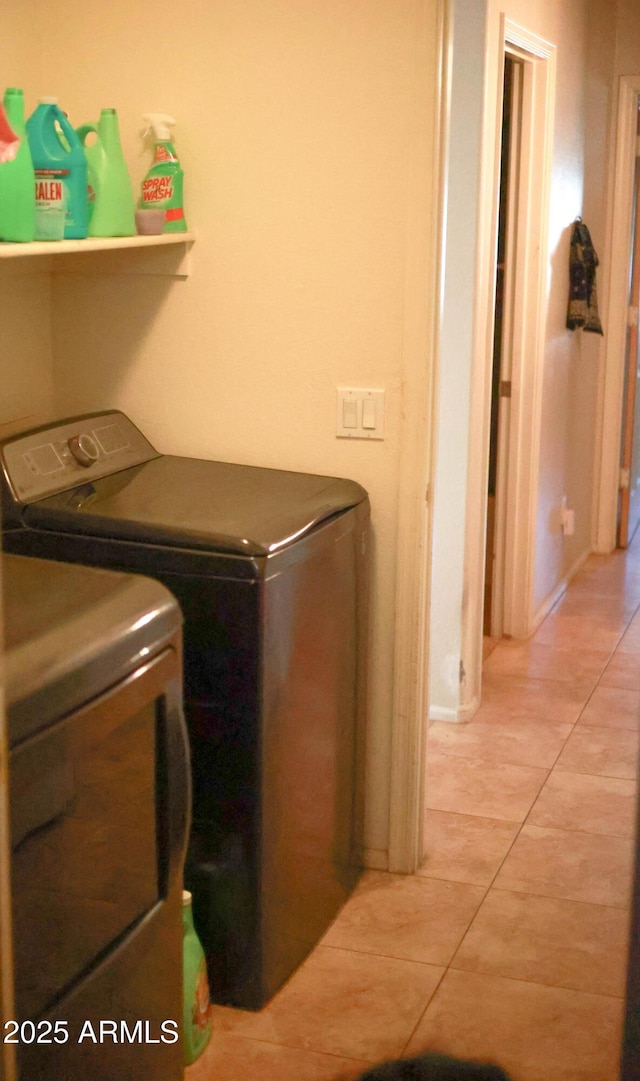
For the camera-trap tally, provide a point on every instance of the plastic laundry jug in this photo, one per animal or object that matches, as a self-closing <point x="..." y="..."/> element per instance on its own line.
<point x="197" y="1016"/>
<point x="17" y="191"/>
<point x="60" y="174"/>
<point x="111" y="205"/>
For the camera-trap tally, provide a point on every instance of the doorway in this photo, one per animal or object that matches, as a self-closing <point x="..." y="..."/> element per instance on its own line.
<point x="532" y="63"/>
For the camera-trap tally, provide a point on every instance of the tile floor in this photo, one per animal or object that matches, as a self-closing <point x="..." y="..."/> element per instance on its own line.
<point x="510" y="942"/>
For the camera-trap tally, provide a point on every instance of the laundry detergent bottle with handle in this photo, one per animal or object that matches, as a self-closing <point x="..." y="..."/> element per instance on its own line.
<point x="162" y="186"/>
<point x="17" y="187"/>
<point x="111" y="206"/>
<point x="61" y="174"/>
<point x="197" y="1013"/>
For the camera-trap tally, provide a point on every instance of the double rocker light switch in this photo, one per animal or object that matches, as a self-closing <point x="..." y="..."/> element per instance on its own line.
<point x="360" y="413"/>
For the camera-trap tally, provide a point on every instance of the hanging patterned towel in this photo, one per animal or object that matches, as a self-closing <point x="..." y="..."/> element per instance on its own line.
<point x="583" y="299"/>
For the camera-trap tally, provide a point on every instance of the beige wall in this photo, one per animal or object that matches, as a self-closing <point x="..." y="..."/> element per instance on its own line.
<point x="627" y="24"/>
<point x="296" y="130"/>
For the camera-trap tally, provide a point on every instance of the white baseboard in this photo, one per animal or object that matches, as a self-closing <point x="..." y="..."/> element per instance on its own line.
<point x="455" y="716"/>
<point x="443" y="713"/>
<point x="558" y="592"/>
<point x="375" y="859"/>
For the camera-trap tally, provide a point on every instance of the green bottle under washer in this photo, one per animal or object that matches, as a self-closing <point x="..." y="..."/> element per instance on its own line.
<point x="197" y="1016"/>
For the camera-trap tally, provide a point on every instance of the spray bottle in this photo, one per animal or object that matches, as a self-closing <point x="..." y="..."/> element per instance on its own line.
<point x="162" y="186"/>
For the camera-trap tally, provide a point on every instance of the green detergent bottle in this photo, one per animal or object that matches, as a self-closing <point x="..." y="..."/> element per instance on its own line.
<point x="162" y="186"/>
<point x="111" y="206"/>
<point x="17" y="181"/>
<point x="197" y="1016"/>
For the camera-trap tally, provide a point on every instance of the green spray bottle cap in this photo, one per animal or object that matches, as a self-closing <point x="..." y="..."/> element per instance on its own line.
<point x="160" y="124"/>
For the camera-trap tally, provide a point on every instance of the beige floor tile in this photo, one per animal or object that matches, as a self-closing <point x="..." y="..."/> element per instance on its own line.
<point x="548" y="940"/>
<point x="608" y="575"/>
<point x="579" y="667"/>
<point x="615" y="608"/>
<point x="612" y="707"/>
<point x="465" y="848"/>
<point x="524" y="743"/>
<point x="233" y="1058"/>
<point x="508" y="699"/>
<point x="477" y="786"/>
<point x="406" y="916"/>
<point x="488" y="646"/>
<point x="630" y="641"/>
<point x="574" y="866"/>
<point x="586" y="803"/>
<point x="536" y="1033"/>
<point x="577" y="632"/>
<point x="623" y="670"/>
<point x="340" y="1002"/>
<point x="611" y="752"/>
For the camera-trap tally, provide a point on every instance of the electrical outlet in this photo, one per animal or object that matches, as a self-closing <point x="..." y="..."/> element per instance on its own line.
<point x="567" y="519"/>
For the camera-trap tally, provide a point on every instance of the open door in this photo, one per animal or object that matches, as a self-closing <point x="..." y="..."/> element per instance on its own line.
<point x="629" y="502"/>
<point x="497" y="506"/>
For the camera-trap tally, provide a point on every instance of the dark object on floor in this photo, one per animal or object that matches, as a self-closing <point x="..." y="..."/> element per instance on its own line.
<point x="431" y="1067"/>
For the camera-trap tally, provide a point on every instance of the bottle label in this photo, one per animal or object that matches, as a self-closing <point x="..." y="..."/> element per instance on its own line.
<point x="157" y="189"/>
<point x="202" y="1009"/>
<point x="50" y="188"/>
<point x="162" y="153"/>
<point x="52" y="203"/>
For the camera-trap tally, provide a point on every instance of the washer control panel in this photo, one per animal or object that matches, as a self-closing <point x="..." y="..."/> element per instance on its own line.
<point x="53" y="458"/>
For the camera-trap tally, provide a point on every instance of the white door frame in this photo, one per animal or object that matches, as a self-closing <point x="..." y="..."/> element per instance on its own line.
<point x="421" y="321"/>
<point x="607" y="459"/>
<point x="539" y="60"/>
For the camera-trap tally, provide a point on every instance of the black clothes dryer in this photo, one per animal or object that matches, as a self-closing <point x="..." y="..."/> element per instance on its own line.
<point x="99" y="801"/>
<point x="270" y="569"/>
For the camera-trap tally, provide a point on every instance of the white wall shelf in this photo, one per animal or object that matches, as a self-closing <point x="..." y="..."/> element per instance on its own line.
<point x="91" y="244"/>
<point x="167" y="253"/>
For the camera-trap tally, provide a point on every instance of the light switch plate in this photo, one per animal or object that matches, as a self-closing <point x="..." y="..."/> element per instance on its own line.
<point x="366" y="406"/>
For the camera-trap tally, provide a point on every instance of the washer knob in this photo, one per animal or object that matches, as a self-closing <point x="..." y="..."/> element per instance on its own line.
<point x="84" y="449"/>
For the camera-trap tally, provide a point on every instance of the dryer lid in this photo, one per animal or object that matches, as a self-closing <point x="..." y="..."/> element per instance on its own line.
<point x="71" y="632"/>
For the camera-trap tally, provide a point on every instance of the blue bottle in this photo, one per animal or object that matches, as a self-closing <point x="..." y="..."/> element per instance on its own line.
<point x="60" y="168"/>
